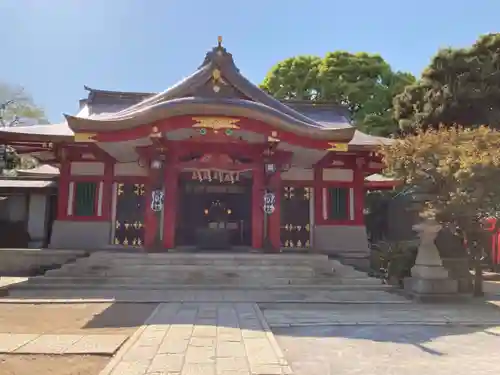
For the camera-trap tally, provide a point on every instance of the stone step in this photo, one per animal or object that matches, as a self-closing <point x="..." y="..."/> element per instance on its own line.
<point x="240" y="281"/>
<point x="223" y="255"/>
<point x="148" y="260"/>
<point x="291" y="296"/>
<point x="179" y="271"/>
<point x="150" y="286"/>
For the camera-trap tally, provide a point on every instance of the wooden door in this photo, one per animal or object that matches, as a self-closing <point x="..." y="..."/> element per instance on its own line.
<point x="295" y="217"/>
<point x="129" y="221"/>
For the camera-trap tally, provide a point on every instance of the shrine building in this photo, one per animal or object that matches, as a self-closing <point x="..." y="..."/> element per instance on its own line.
<point x="211" y="162"/>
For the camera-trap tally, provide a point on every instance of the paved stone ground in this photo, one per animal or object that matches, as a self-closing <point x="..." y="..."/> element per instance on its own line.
<point x="388" y="340"/>
<point x="201" y="338"/>
<point x="412" y="314"/>
<point x="390" y="350"/>
<point x="11" y="343"/>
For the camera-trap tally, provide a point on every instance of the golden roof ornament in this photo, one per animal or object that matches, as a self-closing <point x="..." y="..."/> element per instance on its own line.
<point x="219" y="41"/>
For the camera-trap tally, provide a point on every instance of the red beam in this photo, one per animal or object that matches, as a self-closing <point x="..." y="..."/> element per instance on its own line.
<point x="180" y="122"/>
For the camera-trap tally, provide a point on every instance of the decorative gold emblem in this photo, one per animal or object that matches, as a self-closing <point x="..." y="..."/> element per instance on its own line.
<point x="85" y="137"/>
<point x="307" y="193"/>
<point x="139" y="189"/>
<point x="216" y="123"/>
<point x="119" y="189"/>
<point x="339" y="147"/>
<point x="216" y="75"/>
<point x="289" y="192"/>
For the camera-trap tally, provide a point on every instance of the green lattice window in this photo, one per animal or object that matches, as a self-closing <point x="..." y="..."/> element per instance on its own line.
<point x="85" y="199"/>
<point x="338" y="203"/>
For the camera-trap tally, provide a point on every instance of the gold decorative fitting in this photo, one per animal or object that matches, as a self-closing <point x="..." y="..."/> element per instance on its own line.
<point x="117" y="225"/>
<point x="216" y="123"/>
<point x="216" y="75"/>
<point x="119" y="189"/>
<point x="85" y="137"/>
<point x="219" y="41"/>
<point x="339" y="147"/>
<point x="289" y="192"/>
<point x="307" y="193"/>
<point x="139" y="189"/>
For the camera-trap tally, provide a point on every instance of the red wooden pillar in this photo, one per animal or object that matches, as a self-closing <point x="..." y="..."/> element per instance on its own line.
<point x="257" y="207"/>
<point x="170" y="205"/>
<point x="63" y="190"/>
<point x="318" y="195"/>
<point x="359" y="192"/>
<point x="275" y="218"/>
<point x="107" y="192"/>
<point x="151" y="225"/>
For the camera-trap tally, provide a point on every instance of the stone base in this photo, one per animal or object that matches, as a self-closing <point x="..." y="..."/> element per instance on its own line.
<point x="432" y="290"/>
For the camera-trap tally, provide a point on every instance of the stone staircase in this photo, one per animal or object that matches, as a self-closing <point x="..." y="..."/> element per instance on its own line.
<point x="164" y="271"/>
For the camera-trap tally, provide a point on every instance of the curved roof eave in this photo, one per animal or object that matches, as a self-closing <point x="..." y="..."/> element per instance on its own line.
<point x="138" y="115"/>
<point x="217" y="58"/>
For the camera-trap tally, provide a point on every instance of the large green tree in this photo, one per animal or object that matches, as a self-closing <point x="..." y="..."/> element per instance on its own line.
<point x="460" y="86"/>
<point x="364" y="83"/>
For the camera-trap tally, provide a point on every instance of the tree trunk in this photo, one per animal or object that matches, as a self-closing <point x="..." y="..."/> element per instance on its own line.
<point x="478" y="275"/>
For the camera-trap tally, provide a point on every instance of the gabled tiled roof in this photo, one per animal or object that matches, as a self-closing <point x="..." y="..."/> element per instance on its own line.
<point x="182" y="99"/>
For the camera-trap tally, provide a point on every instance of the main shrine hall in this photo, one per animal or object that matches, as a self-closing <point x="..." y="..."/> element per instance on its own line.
<point x="212" y="162"/>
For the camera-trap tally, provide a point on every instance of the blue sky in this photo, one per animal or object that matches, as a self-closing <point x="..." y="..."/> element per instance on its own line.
<point x="54" y="47"/>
